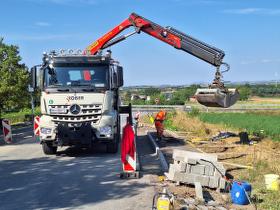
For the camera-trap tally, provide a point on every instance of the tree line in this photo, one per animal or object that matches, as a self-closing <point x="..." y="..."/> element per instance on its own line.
<point x="14" y="79"/>
<point x="182" y="95"/>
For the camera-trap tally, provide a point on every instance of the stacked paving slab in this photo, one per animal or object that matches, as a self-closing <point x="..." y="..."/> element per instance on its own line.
<point x="191" y="167"/>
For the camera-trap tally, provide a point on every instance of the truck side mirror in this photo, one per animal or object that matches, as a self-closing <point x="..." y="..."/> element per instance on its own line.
<point x="120" y="76"/>
<point x="115" y="80"/>
<point x="34" y="77"/>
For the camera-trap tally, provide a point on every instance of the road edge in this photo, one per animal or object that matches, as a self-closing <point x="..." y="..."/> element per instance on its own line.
<point x="158" y="153"/>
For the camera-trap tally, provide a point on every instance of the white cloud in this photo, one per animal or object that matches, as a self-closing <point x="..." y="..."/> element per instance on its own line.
<point x="43" y="24"/>
<point x="267" y="60"/>
<point x="253" y="11"/>
<point x="263" y="61"/>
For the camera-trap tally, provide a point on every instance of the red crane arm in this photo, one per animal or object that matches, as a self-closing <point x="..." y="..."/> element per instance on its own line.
<point x="99" y="43"/>
<point x="168" y="35"/>
<point x="140" y="24"/>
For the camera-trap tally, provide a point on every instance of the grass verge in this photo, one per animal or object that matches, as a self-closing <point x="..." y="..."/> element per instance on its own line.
<point x="264" y="123"/>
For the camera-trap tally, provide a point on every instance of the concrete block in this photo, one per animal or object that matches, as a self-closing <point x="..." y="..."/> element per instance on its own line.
<point x="179" y="177"/>
<point x="209" y="170"/>
<point x="205" y="162"/>
<point x="198" y="191"/>
<point x="188" y="168"/>
<point x="191" y="161"/>
<point x="220" y="167"/>
<point x="171" y="172"/>
<point x="169" y="175"/>
<point x="214" y="163"/>
<point x="218" y="174"/>
<point x="214" y="182"/>
<point x="194" y="155"/>
<point x="204" y="180"/>
<point x="222" y="184"/>
<point x="198" y="169"/>
<point x="189" y="178"/>
<point x="178" y="158"/>
<point x="171" y="168"/>
<point x="182" y="167"/>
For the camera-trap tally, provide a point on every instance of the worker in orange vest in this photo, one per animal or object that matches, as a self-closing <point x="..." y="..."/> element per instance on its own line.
<point x="159" y="119"/>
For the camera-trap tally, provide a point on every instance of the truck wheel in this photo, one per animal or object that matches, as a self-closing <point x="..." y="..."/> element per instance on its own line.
<point x="49" y="149"/>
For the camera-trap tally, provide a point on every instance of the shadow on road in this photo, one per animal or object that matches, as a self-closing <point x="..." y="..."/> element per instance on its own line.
<point x="147" y="158"/>
<point x="82" y="177"/>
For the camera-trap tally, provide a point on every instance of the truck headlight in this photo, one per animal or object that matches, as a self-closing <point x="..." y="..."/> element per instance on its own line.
<point x="106" y="130"/>
<point x="46" y="130"/>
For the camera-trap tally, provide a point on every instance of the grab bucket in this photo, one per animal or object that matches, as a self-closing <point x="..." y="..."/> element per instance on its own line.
<point x="272" y="182"/>
<point x="215" y="97"/>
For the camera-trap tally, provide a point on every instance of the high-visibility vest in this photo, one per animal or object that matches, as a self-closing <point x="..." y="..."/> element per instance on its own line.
<point x="160" y="115"/>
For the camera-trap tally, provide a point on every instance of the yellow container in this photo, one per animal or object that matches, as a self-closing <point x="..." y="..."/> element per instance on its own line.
<point x="163" y="203"/>
<point x="272" y="182"/>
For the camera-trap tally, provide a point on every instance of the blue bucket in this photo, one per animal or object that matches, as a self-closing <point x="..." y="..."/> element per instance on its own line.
<point x="238" y="195"/>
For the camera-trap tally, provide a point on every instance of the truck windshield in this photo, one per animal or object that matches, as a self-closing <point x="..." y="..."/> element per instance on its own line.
<point x="77" y="76"/>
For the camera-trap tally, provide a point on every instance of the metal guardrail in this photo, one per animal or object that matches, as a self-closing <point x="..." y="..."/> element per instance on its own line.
<point x="188" y="108"/>
<point x="154" y="108"/>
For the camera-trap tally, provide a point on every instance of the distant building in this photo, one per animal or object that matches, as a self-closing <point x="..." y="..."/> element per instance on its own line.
<point x="168" y="95"/>
<point x="138" y="97"/>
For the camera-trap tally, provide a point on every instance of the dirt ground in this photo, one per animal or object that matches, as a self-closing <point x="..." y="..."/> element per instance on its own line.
<point x="243" y="162"/>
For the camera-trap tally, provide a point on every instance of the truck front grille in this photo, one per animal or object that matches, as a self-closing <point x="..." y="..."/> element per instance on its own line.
<point x="88" y="113"/>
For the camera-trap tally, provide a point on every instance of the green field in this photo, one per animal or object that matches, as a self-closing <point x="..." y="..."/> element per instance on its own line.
<point x="252" y="122"/>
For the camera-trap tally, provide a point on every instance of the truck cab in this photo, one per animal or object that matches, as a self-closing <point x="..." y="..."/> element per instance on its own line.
<point x="79" y="99"/>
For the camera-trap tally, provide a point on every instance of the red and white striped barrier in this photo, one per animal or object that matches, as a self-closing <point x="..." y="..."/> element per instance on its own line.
<point x="128" y="153"/>
<point x="7" y="131"/>
<point x="130" y="164"/>
<point x="36" y="126"/>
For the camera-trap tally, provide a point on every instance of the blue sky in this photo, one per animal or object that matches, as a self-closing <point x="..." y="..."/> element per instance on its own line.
<point x="247" y="30"/>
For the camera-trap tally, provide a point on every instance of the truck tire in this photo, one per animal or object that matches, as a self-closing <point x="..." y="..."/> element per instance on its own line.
<point x="48" y="149"/>
<point x="113" y="147"/>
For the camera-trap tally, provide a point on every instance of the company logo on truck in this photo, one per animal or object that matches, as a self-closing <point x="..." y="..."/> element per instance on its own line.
<point x="75" y="98"/>
<point x="75" y="109"/>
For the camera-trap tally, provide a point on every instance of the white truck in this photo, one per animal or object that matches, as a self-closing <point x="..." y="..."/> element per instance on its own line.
<point x="79" y="100"/>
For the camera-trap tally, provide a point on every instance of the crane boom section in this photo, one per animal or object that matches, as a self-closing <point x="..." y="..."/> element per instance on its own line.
<point x="169" y="35"/>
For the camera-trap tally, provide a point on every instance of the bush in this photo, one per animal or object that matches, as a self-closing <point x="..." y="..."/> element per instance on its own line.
<point x="23" y="115"/>
<point x="168" y="122"/>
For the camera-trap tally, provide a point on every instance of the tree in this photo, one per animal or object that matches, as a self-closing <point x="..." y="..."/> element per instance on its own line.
<point x="14" y="79"/>
<point x="151" y="91"/>
<point x="181" y="96"/>
<point x="244" y="93"/>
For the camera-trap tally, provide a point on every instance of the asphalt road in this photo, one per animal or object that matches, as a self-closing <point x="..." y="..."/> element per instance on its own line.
<point x="73" y="179"/>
